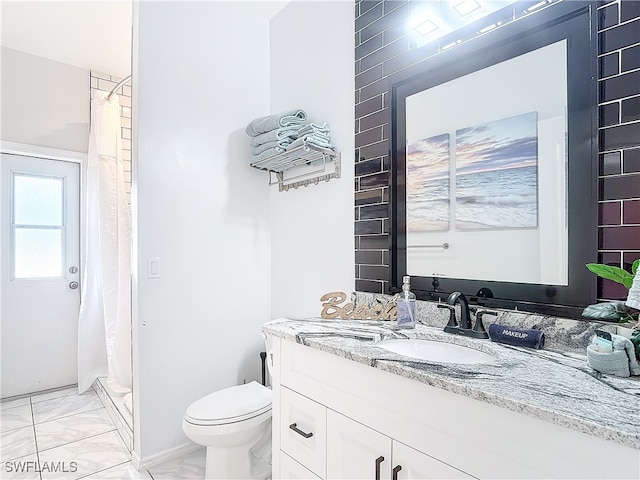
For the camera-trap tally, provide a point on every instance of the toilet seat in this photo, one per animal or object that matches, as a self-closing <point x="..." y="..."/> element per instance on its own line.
<point x="231" y="405"/>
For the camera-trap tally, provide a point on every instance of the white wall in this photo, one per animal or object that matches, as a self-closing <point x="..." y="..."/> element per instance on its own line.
<point x="44" y="102"/>
<point x="312" y="65"/>
<point x="201" y="74"/>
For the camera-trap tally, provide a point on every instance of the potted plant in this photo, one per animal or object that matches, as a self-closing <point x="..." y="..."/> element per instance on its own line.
<point x="628" y="321"/>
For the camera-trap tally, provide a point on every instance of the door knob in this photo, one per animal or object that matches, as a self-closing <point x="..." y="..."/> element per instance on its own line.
<point x="73" y="285"/>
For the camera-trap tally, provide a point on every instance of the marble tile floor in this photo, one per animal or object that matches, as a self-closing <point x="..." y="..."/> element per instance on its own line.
<point x="63" y="435"/>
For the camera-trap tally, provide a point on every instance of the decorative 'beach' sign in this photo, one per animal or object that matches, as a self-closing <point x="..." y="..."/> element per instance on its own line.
<point x="331" y="308"/>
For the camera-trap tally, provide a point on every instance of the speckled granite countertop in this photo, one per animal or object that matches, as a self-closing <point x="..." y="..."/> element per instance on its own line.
<point x="553" y="386"/>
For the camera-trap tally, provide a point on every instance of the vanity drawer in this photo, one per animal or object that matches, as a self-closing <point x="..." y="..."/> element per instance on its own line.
<point x="303" y="430"/>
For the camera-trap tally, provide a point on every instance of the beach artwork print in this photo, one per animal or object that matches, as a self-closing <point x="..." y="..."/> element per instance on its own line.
<point x="428" y="184"/>
<point x="497" y="174"/>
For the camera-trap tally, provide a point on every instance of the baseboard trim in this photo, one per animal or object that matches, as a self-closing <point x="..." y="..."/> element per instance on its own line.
<point x="34" y="394"/>
<point x="165" y="456"/>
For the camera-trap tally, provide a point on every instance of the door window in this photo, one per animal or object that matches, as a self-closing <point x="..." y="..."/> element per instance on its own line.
<point x="37" y="226"/>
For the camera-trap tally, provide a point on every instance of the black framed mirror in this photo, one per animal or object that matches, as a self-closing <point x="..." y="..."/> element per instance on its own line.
<point x="494" y="163"/>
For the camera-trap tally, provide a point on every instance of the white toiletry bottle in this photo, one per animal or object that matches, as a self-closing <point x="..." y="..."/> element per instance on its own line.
<point x="406" y="305"/>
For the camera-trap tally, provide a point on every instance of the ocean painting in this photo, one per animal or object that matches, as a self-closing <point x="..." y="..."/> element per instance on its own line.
<point x="428" y="184"/>
<point x="497" y="174"/>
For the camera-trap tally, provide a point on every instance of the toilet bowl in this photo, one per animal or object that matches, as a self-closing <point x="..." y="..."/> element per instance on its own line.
<point x="229" y="422"/>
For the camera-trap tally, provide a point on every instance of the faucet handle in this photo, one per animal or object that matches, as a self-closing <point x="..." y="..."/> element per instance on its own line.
<point x="453" y="324"/>
<point x="478" y="328"/>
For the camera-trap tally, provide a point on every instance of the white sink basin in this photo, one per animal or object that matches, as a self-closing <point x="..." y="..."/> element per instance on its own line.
<point x="436" y="351"/>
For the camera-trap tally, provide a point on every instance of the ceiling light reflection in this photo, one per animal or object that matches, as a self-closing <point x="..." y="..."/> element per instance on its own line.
<point x="465" y="7"/>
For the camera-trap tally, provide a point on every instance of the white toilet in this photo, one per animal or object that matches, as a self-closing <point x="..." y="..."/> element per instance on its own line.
<point x="229" y="422"/>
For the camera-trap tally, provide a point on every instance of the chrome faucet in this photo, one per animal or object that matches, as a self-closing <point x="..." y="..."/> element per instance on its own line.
<point x="465" y="317"/>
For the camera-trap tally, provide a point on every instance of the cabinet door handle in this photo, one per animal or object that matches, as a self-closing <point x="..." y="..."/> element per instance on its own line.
<point x="379" y="460"/>
<point x="395" y="472"/>
<point x="294" y="427"/>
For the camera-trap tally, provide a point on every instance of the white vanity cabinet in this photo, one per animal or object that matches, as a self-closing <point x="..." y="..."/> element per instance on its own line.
<point x="357" y="414"/>
<point x="357" y="451"/>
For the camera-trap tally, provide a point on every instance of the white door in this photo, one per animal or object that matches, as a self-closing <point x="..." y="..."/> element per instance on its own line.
<point x="356" y="451"/>
<point x="40" y="277"/>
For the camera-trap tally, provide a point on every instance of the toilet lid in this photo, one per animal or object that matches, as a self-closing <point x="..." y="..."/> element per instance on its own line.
<point x="232" y="404"/>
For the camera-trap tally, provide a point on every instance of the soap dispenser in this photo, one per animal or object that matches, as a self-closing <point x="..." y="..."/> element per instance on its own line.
<point x="406" y="305"/>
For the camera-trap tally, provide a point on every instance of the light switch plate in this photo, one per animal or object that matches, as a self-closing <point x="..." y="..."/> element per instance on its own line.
<point x="153" y="267"/>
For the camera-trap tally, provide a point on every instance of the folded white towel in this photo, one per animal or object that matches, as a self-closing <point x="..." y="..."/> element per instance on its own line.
<point x="273" y="122"/>
<point x="317" y="136"/>
<point x="280" y="145"/>
<point x="311" y="140"/>
<point x="281" y="133"/>
<point x="314" y="128"/>
<point x="633" y="298"/>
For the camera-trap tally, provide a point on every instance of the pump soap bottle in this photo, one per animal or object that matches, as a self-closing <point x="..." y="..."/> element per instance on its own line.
<point x="406" y="305"/>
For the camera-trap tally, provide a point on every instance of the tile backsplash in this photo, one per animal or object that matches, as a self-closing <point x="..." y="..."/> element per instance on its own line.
<point x="384" y="47"/>
<point x="105" y="83"/>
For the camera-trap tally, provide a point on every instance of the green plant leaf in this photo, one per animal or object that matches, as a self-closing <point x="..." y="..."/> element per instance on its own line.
<point x="634" y="267"/>
<point x="611" y="273"/>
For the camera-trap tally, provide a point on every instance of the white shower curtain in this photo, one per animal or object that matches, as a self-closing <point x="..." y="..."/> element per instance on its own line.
<point x="104" y="327"/>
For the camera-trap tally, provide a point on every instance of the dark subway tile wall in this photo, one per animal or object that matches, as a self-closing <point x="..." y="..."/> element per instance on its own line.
<point x="375" y="73"/>
<point x="621" y="86"/>
<point x="629" y="10"/>
<point x="610" y="114"/>
<point x="631" y="212"/>
<point x="631" y="161"/>
<point x="383" y="47"/>
<point x="369" y="257"/>
<point x="609" y="15"/>
<point x="620" y="137"/>
<point x="610" y="164"/>
<point x="609" y="65"/>
<point x="631" y="57"/>
<point x="620" y="238"/>
<point x="620" y="187"/>
<point x="369" y="197"/>
<point x="630" y="109"/>
<point x="620" y="36"/>
<point x="609" y="213"/>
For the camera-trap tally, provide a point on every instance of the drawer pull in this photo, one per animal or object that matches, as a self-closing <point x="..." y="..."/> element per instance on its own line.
<point x="395" y="472"/>
<point x="379" y="460"/>
<point x="294" y="427"/>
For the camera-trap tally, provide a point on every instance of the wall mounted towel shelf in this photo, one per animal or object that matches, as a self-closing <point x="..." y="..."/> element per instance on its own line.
<point x="301" y="156"/>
